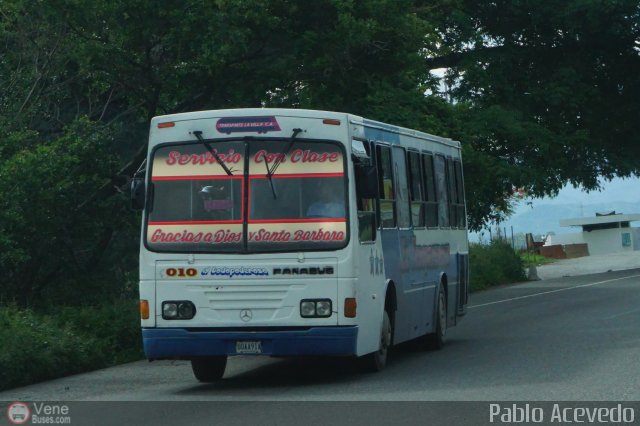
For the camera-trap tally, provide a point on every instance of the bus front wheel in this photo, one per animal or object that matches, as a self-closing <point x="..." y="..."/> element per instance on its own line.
<point x="209" y="369"/>
<point x="376" y="361"/>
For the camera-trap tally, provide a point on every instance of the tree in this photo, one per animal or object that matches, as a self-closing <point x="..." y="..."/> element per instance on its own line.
<point x="540" y="93"/>
<point x="84" y="80"/>
<point x="547" y="92"/>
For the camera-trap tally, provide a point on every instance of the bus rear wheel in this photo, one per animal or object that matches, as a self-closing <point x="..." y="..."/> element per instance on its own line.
<point x="376" y="361"/>
<point x="437" y="339"/>
<point x="209" y="369"/>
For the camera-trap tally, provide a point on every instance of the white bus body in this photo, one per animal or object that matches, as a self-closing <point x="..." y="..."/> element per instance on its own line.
<point x="232" y="263"/>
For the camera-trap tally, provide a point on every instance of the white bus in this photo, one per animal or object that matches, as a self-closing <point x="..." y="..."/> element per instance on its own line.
<point x="291" y="232"/>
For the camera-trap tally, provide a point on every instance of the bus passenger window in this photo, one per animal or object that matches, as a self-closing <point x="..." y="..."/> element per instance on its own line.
<point x="461" y="215"/>
<point x="366" y="193"/>
<point x="431" y="200"/>
<point x="403" y="201"/>
<point x="387" y="190"/>
<point x="442" y="190"/>
<point x="451" y="192"/>
<point x="417" y="190"/>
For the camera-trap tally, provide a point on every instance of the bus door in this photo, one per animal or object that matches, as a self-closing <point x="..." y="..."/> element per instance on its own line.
<point x="371" y="272"/>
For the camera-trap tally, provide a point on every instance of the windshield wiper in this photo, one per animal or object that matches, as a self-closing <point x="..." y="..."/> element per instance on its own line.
<point x="198" y="135"/>
<point x="269" y="175"/>
<point x="284" y="154"/>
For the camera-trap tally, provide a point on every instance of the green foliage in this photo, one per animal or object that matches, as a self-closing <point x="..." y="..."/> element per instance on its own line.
<point x="529" y="259"/>
<point x="38" y="346"/>
<point x="493" y="265"/>
<point x="82" y="80"/>
<point x="50" y="246"/>
<point x="545" y="93"/>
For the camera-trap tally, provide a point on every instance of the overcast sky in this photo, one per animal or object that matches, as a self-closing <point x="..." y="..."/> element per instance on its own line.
<point x="615" y="190"/>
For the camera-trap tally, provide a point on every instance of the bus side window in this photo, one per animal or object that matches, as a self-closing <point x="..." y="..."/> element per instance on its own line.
<point x="403" y="201"/>
<point x="442" y="190"/>
<point x="386" y="187"/>
<point x="417" y="190"/>
<point x="366" y="194"/>
<point x="452" y="193"/>
<point x="460" y="206"/>
<point x="431" y="200"/>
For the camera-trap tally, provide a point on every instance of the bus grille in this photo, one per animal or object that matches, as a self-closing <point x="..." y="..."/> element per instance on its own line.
<point x="247" y="296"/>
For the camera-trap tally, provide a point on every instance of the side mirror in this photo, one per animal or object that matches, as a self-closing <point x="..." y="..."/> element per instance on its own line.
<point x="137" y="193"/>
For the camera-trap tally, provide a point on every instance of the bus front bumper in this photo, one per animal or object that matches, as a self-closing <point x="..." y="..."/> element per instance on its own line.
<point x="171" y="343"/>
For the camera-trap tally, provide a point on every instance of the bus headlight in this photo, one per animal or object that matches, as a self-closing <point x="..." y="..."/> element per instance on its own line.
<point x="169" y="310"/>
<point x="323" y="308"/>
<point x="186" y="310"/>
<point x="308" y="308"/>
<point x="315" y="308"/>
<point x="180" y="309"/>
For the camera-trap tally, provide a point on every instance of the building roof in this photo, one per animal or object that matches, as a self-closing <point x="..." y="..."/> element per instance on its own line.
<point x="612" y="218"/>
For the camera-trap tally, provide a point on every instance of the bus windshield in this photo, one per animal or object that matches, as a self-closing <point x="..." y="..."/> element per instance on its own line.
<point x="198" y="207"/>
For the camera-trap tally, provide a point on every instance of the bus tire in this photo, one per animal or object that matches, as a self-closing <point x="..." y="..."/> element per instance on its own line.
<point x="209" y="369"/>
<point x="376" y="361"/>
<point x="437" y="340"/>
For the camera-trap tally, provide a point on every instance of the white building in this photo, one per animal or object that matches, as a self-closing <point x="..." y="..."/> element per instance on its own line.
<point x="604" y="233"/>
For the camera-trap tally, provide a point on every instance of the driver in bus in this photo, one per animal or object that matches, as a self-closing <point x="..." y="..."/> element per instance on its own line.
<point x="330" y="202"/>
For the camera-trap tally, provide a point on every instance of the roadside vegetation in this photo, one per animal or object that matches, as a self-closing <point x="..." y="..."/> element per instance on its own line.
<point x="38" y="346"/>
<point x="529" y="259"/>
<point x="494" y="264"/>
<point x="46" y="343"/>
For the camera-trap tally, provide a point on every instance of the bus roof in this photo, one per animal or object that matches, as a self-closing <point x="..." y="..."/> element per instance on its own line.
<point x="305" y="113"/>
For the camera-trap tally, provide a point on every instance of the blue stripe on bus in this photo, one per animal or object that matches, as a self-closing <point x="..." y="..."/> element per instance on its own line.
<point x="406" y="262"/>
<point x="179" y="342"/>
<point x="415" y="271"/>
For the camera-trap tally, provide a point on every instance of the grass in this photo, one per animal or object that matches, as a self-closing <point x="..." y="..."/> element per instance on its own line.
<point x="529" y="259"/>
<point x="37" y="346"/>
<point x="494" y="264"/>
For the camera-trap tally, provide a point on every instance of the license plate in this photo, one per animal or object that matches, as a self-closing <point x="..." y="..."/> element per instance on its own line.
<point x="249" y="347"/>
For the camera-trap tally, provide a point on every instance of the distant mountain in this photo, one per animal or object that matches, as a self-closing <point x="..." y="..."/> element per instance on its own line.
<point x="570" y="203"/>
<point x="545" y="218"/>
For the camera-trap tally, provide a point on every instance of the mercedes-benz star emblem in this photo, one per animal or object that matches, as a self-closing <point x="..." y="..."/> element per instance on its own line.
<point x="246" y="315"/>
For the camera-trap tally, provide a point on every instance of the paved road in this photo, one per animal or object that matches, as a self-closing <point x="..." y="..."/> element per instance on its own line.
<point x="590" y="265"/>
<point x="574" y="338"/>
<point x="567" y="339"/>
